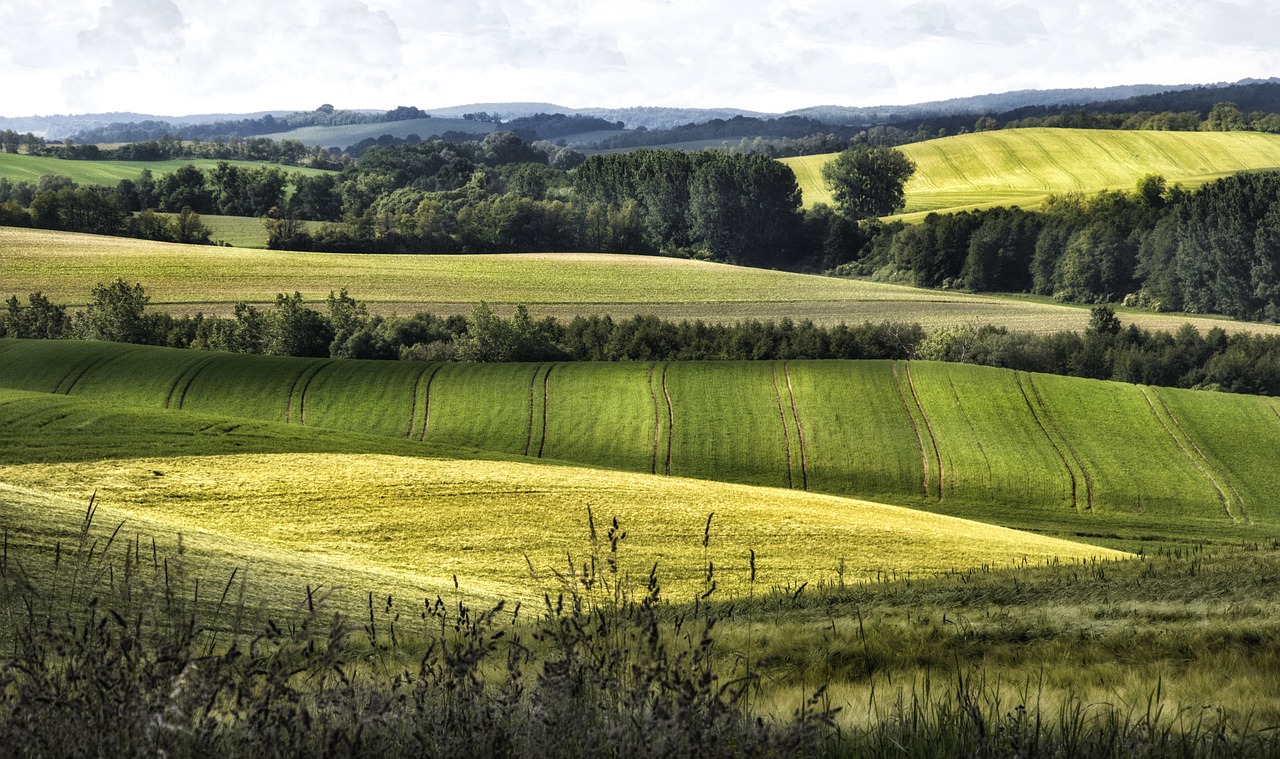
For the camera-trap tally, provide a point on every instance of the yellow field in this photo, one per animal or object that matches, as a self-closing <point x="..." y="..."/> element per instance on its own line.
<point x="1022" y="167"/>
<point x="185" y="279"/>
<point x="418" y="523"/>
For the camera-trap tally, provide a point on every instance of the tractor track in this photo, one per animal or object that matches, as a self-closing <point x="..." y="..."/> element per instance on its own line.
<point x="795" y="414"/>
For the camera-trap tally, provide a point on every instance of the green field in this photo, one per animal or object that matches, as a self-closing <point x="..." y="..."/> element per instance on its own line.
<point x="109" y="173"/>
<point x="1117" y="463"/>
<point x="1021" y="167"/>
<point x="186" y="279"/>
<point x="348" y="135"/>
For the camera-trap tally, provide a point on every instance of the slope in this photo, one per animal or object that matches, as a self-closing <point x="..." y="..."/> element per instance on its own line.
<point x="1033" y="451"/>
<point x="1023" y="166"/>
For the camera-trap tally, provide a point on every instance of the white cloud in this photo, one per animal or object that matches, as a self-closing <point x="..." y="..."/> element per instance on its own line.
<point x="185" y="56"/>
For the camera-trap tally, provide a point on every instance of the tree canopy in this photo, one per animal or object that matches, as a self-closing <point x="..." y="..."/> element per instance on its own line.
<point x="868" y="180"/>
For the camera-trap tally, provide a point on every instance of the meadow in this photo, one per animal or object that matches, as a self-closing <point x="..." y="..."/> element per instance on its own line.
<point x="1120" y="465"/>
<point x="187" y="279"/>
<point x="1022" y="167"/>
<point x="109" y="173"/>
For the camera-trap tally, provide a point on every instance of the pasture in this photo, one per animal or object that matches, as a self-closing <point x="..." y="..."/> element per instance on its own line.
<point x="1114" y="463"/>
<point x="186" y="279"/>
<point x="1022" y="167"/>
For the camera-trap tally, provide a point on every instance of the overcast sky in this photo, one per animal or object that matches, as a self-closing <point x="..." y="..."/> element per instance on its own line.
<point x="176" y="57"/>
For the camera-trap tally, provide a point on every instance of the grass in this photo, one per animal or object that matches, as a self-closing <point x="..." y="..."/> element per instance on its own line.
<point x="109" y="173"/>
<point x="1021" y="167"/>
<point x="1115" y="463"/>
<point x="186" y="279"/>
<point x="348" y="135"/>
<point x="241" y="231"/>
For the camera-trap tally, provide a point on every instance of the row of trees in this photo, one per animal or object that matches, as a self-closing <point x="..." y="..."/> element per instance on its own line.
<point x="344" y="328"/>
<point x="1215" y="250"/>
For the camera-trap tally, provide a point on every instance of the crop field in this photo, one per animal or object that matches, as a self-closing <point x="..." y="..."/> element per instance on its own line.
<point x="420" y="521"/>
<point x="1021" y="167"/>
<point x="241" y="231"/>
<point x="348" y="135"/>
<point x="109" y="173"/>
<point x="186" y="279"/>
<point x="1066" y="456"/>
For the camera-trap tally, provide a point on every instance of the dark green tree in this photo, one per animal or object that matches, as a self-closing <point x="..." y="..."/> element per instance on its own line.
<point x="868" y="180"/>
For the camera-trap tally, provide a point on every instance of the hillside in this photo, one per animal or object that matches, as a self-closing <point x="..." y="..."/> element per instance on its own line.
<point x="109" y="173"/>
<point x="441" y="518"/>
<point x="1023" y="166"/>
<point x="346" y="136"/>
<point x="1054" y="454"/>
<point x="185" y="279"/>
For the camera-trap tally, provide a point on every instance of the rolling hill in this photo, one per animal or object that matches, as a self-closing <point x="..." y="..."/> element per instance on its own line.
<point x="1022" y="167"/>
<point x="185" y="279"/>
<point x="370" y="513"/>
<point x="1055" y="454"/>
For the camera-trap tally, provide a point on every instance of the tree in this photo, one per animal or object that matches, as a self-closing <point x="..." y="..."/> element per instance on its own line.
<point x="116" y="313"/>
<point x="868" y="181"/>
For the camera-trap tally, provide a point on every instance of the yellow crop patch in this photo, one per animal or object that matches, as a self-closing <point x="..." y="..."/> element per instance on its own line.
<point x="506" y="529"/>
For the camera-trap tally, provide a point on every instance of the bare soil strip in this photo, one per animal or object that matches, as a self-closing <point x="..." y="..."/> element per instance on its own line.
<point x="795" y="413"/>
<point x="1075" y="502"/>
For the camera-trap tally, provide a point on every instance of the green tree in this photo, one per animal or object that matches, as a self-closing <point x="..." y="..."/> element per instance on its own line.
<point x="868" y="181"/>
<point x="115" y="313"/>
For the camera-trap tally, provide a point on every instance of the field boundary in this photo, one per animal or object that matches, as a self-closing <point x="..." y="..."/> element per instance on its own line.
<point x="1084" y="471"/>
<point x="924" y="456"/>
<point x="1071" y="475"/>
<point x="795" y="413"/>
<point x="782" y="417"/>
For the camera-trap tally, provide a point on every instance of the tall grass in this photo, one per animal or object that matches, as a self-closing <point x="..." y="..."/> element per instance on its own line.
<point x="113" y="646"/>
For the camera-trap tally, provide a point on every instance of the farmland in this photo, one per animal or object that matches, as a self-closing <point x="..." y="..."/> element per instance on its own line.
<point x="1058" y="455"/>
<point x="1021" y="167"/>
<point x="109" y="173"/>
<point x="186" y="279"/>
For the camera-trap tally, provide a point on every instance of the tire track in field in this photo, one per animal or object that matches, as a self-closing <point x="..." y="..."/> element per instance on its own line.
<point x="782" y="417"/>
<point x="924" y="456"/>
<point x="302" y="401"/>
<point x="293" y="388"/>
<point x="1189" y="449"/>
<point x="413" y="402"/>
<point x="92" y="364"/>
<point x="795" y="413"/>
<point x="546" y="399"/>
<point x="657" y="420"/>
<point x="671" y="415"/>
<point x="190" y="377"/>
<point x="1075" y="501"/>
<point x="1239" y="500"/>
<point x="1075" y="455"/>
<point x="426" y="402"/>
<point x="977" y="439"/>
<point x="533" y="389"/>
<point x="933" y="439"/>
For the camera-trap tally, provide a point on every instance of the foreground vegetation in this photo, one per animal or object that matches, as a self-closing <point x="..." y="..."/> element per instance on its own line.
<point x="126" y="648"/>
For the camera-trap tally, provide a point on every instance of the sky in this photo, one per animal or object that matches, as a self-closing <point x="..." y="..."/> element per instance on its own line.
<point x="179" y="57"/>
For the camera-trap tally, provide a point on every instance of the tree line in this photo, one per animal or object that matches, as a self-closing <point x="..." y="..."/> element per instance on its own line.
<point x="344" y="328"/>
<point x="1214" y="251"/>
